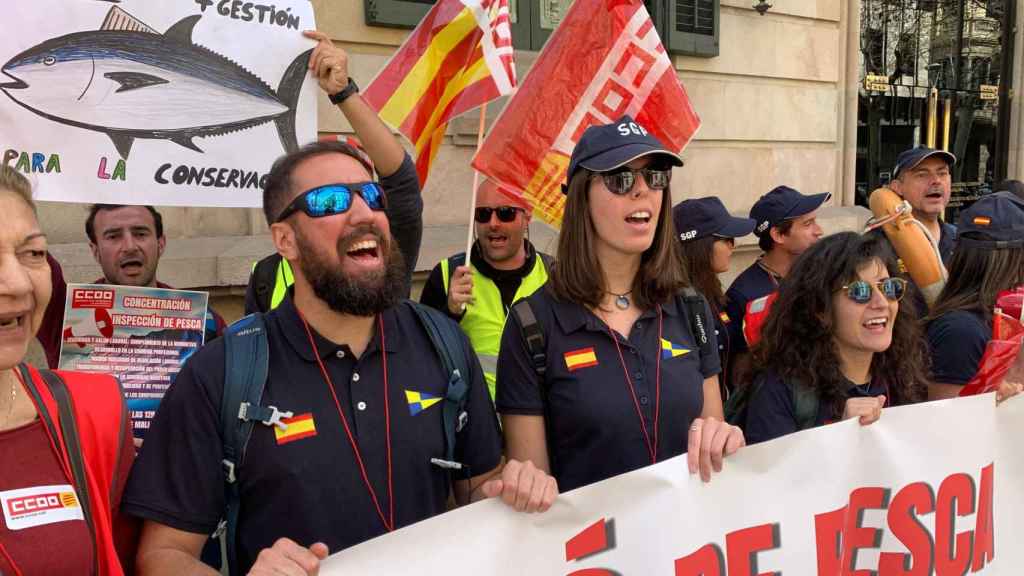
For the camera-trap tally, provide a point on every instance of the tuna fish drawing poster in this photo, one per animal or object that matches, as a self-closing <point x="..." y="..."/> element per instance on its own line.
<point x="140" y="335"/>
<point x="173" y="103"/>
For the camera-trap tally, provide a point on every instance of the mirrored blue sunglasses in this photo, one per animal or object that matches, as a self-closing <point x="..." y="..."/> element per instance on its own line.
<point x="334" y="199"/>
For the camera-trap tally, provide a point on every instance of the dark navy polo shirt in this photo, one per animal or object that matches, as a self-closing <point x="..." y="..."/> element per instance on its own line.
<point x="752" y="284"/>
<point x="593" y="431"/>
<point x="309" y="488"/>
<point x="957" y="341"/>
<point x="772" y="411"/>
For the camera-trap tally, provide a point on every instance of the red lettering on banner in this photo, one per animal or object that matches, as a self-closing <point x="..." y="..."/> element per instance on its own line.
<point x="855" y="536"/>
<point x="742" y="547"/>
<point x="707" y="561"/>
<point x="953" y="553"/>
<point x="828" y="532"/>
<point x="984" y="529"/>
<point x="912" y="501"/>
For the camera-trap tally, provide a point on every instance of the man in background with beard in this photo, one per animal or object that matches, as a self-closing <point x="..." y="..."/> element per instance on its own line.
<point x="363" y="381"/>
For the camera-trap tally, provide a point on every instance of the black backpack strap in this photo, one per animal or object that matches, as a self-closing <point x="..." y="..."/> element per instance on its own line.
<point x="264" y="278"/>
<point x="694" y="305"/>
<point x="246" y="361"/>
<point x="69" y="432"/>
<point x="448" y="341"/>
<point x="805" y="405"/>
<point x="533" y="336"/>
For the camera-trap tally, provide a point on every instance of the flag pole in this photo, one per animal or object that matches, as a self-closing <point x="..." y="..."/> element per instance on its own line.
<point x="476" y="183"/>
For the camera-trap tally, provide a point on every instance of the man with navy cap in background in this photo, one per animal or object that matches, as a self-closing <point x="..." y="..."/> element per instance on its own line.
<point x="922" y="177"/>
<point x="786" y="226"/>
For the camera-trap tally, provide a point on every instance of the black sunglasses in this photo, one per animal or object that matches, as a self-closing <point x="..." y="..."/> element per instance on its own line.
<point x="505" y="213"/>
<point x="334" y="199"/>
<point x="622" y="181"/>
<point x="861" y="291"/>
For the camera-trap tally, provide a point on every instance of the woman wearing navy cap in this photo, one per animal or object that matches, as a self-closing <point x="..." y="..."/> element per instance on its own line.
<point x="837" y="344"/>
<point x="708" y="235"/>
<point x="988" y="259"/>
<point x="609" y="368"/>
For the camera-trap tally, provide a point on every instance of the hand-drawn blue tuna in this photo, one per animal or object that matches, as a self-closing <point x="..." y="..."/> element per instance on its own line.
<point x="128" y="81"/>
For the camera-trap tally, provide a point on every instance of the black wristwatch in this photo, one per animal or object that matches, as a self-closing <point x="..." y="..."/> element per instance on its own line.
<point x="349" y="90"/>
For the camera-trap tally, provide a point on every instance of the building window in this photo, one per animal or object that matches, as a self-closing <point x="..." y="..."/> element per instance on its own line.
<point x="693" y="27"/>
<point x="686" y="26"/>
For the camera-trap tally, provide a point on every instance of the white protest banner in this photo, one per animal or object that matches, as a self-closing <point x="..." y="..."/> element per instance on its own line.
<point x="177" y="102"/>
<point x="140" y="335"/>
<point x="935" y="488"/>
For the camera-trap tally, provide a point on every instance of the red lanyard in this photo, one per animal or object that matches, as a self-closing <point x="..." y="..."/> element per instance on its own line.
<point x="389" y="521"/>
<point x="652" y="446"/>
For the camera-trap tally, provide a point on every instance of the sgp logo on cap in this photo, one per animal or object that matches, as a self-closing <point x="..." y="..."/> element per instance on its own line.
<point x="684" y="236"/>
<point x="631" y="127"/>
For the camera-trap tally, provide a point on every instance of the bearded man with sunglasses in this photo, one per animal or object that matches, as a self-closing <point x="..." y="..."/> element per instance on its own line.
<point x="363" y="381"/>
<point x="504" y="267"/>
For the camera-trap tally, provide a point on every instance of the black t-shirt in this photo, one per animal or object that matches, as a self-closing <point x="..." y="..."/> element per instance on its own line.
<point x="957" y="341"/>
<point x="593" y="429"/>
<point x="772" y="409"/>
<point x="752" y="284"/>
<point x="306" y="485"/>
<point x="507" y="281"/>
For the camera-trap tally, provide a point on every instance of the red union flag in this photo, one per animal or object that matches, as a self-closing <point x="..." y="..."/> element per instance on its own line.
<point x="604" y="60"/>
<point x="458" y="57"/>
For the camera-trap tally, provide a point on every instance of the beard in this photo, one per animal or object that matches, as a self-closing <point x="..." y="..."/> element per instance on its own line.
<point x="366" y="295"/>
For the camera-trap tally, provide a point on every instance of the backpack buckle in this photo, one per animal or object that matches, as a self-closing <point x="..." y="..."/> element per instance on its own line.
<point x="266" y="415"/>
<point x="229" y="471"/>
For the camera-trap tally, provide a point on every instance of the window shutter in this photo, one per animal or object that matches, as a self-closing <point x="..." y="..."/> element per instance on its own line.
<point x="693" y="27"/>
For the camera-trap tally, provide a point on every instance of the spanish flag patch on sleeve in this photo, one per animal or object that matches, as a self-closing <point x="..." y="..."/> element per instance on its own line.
<point x="582" y="358"/>
<point x="299" y="427"/>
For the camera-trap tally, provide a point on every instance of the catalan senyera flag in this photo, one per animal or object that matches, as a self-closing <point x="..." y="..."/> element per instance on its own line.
<point x="299" y="427"/>
<point x="582" y="358"/>
<point x="458" y="57"/>
<point x="605" y="60"/>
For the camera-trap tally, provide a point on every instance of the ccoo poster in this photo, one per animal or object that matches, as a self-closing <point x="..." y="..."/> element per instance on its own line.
<point x="140" y="335"/>
<point x="178" y="102"/>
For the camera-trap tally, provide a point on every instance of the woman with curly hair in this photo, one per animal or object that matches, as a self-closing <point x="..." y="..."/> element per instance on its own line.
<point x="837" y="343"/>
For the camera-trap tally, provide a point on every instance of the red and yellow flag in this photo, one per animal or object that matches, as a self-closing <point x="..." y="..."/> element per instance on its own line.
<point x="459" y="57"/>
<point x="299" y="427"/>
<point x="605" y="60"/>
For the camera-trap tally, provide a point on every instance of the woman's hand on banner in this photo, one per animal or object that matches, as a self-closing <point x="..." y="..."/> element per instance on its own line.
<point x="868" y="410"/>
<point x="710" y="440"/>
<point x="522" y="486"/>
<point x="328" y="63"/>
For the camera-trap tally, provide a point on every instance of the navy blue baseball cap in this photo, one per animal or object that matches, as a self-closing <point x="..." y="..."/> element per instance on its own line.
<point x="783" y="203"/>
<point x="702" y="217"/>
<point x="610" y="146"/>
<point x="993" y="221"/>
<point x="910" y="158"/>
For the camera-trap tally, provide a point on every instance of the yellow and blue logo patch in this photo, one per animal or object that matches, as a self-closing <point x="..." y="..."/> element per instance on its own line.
<point x="670" y="350"/>
<point x="420" y="401"/>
